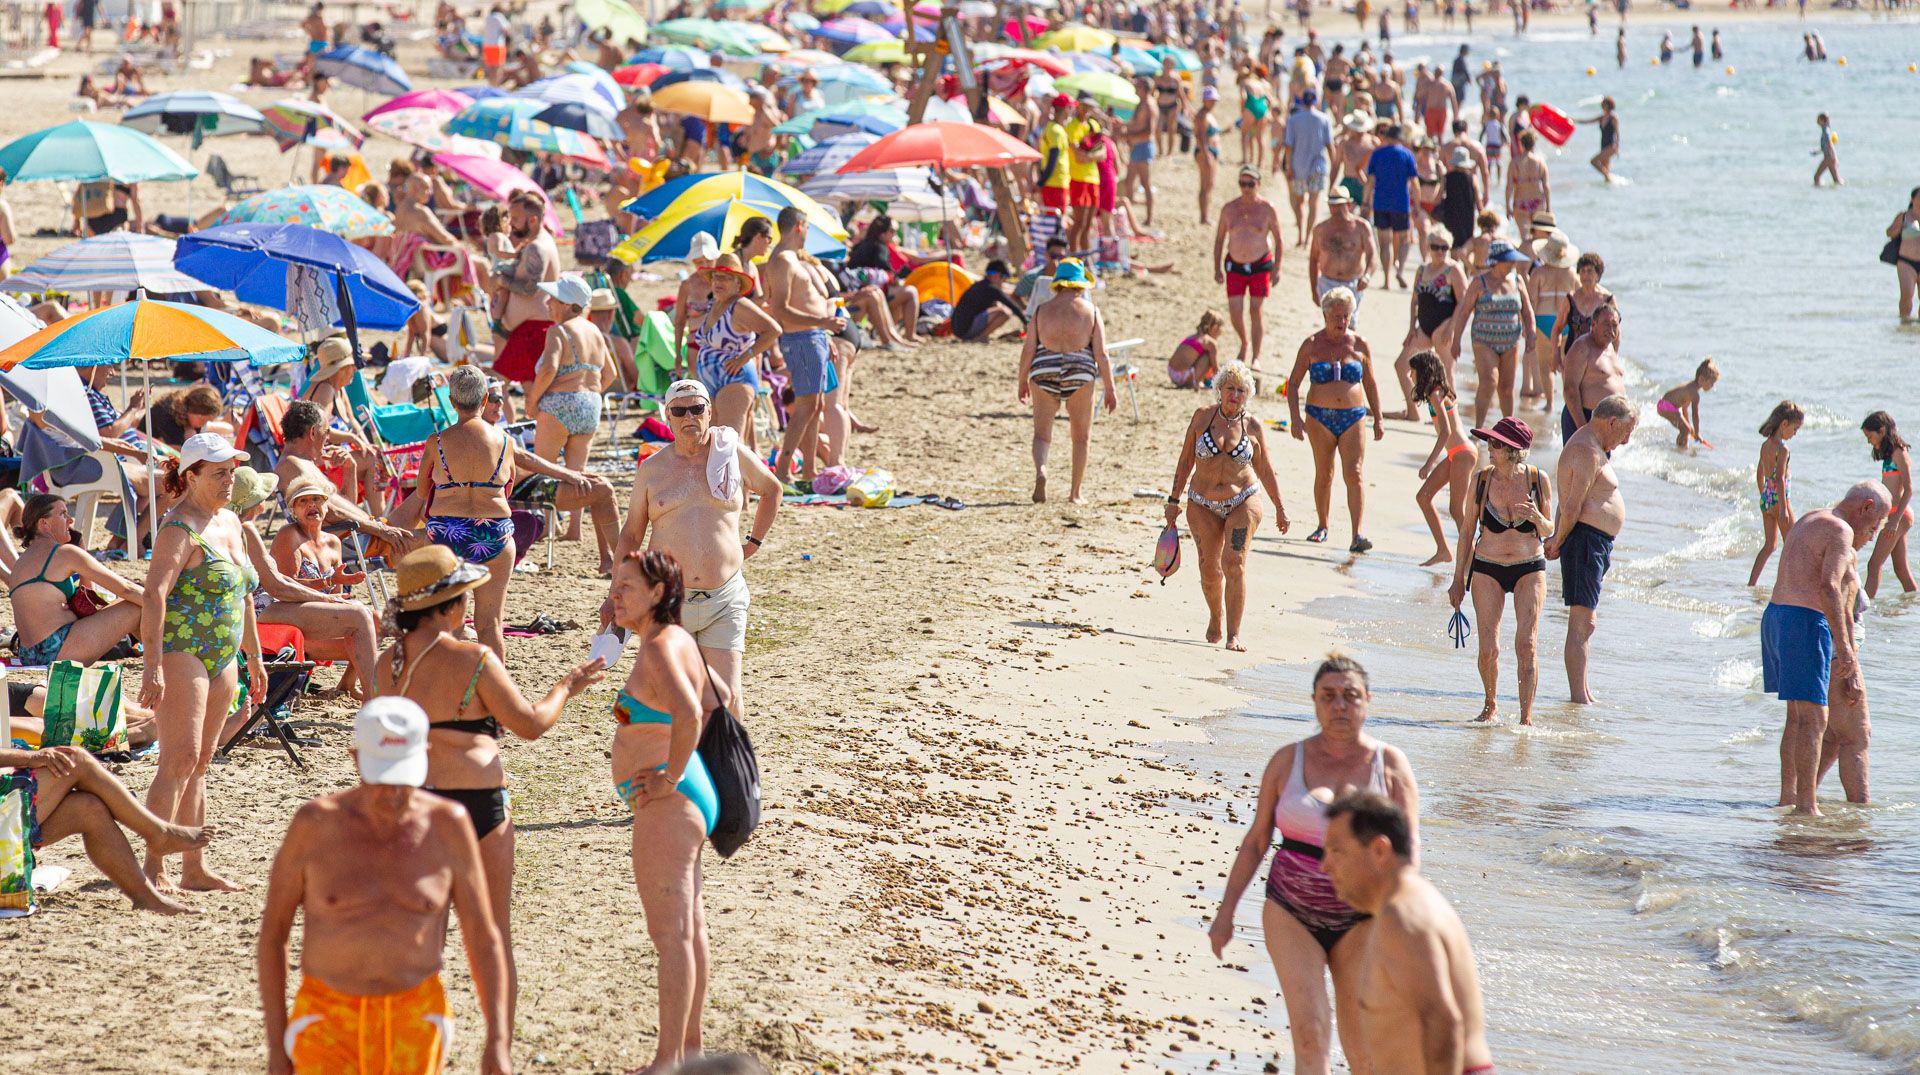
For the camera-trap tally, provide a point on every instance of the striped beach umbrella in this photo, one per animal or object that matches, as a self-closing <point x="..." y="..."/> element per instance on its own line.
<point x="327" y="208"/>
<point x="149" y="328"/>
<point x="885" y="185"/>
<point x="185" y="111"/>
<point x="511" y="122"/>
<point x="691" y="192"/>
<point x="296" y="121"/>
<point x="116" y="261"/>
<point x="829" y="155"/>
<point x="86" y="151"/>
<point x="426" y="128"/>
<point x="669" y="238"/>
<point x="850" y="31"/>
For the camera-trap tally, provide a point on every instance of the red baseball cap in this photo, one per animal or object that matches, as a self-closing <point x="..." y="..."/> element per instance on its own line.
<point x="1061" y="100"/>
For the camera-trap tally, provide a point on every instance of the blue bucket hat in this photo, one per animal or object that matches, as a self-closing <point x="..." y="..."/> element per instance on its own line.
<point x="1071" y="274"/>
<point x="1504" y="252"/>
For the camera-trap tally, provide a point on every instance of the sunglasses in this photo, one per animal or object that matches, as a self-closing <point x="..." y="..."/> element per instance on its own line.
<point x="695" y="409"/>
<point x="1248" y="184"/>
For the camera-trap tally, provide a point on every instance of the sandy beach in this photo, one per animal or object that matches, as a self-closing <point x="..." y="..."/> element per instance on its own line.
<point x="976" y="854"/>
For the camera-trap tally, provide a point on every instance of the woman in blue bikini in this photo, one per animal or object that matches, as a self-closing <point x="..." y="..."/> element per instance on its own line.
<point x="1339" y="365"/>
<point x="657" y="772"/>
<point x="575" y="368"/>
<point x="465" y="512"/>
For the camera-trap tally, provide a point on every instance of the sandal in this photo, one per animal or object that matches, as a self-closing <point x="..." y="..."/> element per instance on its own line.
<point x="1318" y="535"/>
<point x="1360" y="544"/>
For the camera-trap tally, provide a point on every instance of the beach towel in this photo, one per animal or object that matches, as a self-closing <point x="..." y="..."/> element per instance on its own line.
<point x="723" y="464"/>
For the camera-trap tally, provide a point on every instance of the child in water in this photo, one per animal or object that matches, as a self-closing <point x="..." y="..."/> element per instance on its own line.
<point x="1829" y="157"/>
<point x="1681" y="406"/>
<point x="1896" y="473"/>
<point x="1197" y="358"/>
<point x="1772" y="476"/>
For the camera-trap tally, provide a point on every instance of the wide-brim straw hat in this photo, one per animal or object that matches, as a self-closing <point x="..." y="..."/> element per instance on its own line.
<point x="729" y="264"/>
<point x="432" y="575"/>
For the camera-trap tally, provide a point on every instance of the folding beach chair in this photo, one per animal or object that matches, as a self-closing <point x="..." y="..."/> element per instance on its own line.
<point x="284" y="652"/>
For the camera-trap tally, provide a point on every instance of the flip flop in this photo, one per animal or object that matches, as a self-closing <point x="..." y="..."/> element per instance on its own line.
<point x="1318" y="535"/>
<point x="1360" y="544"/>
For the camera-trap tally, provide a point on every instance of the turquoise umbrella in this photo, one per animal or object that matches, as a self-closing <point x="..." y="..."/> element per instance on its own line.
<point x="514" y="123"/>
<point x="86" y="151"/>
<point x="1183" y="59"/>
<point x="327" y="208"/>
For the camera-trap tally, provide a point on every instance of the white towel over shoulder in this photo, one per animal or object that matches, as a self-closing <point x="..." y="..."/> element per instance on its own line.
<point x="723" y="463"/>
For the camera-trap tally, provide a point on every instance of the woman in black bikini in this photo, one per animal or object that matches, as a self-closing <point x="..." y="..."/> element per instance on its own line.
<point x="471" y="704"/>
<point x="1609" y="121"/>
<point x="1502" y="552"/>
<point x="1437" y="287"/>
<point x="1905" y="230"/>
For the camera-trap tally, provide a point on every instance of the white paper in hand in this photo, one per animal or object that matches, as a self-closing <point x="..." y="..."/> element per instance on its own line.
<point x="607" y="646"/>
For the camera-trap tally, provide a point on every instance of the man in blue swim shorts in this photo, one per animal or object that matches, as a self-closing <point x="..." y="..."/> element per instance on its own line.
<point x="1587" y="519"/>
<point x="1806" y="634"/>
<point x="800" y="297"/>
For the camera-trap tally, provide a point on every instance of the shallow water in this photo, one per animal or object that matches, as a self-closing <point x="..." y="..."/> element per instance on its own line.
<point x="1636" y="903"/>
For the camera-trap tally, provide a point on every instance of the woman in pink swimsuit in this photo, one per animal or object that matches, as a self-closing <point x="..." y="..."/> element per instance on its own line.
<point x="1306" y="924"/>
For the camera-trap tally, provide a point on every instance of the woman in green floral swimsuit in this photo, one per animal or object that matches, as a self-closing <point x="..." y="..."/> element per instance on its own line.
<point x="198" y="616"/>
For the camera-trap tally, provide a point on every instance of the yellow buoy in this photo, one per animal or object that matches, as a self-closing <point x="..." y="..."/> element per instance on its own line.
<point x="1842" y="61"/>
<point x="1590" y="71"/>
<point x="1912" y="67"/>
<point x="1655" y="62"/>
<point x="1729" y="69"/>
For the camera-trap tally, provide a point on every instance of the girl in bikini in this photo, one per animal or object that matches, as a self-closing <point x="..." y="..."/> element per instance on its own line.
<point x="1896" y="473"/>
<point x="1681" y="405"/>
<point x="1453" y="460"/>
<point x="1342" y="392"/>
<point x="1196" y="358"/>
<point x="1225" y="455"/>
<point x="1773" y="475"/>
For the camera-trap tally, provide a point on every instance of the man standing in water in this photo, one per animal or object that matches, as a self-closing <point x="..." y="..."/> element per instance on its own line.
<point x="1591" y="370"/>
<point x="1420" y="1004"/>
<point x="1341" y="253"/>
<point x="1246" y="257"/>
<point x="375" y="868"/>
<point x="1589" y="516"/>
<point x="691" y="497"/>
<point x="1806" y="634"/>
<point x="799" y="299"/>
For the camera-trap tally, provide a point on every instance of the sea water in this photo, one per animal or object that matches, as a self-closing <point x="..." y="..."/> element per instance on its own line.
<point x="1636" y="902"/>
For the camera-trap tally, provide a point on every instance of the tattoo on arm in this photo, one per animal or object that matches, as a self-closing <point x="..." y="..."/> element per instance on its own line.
<point x="527" y="272"/>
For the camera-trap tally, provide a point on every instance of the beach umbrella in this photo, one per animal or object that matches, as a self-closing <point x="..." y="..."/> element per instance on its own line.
<point x="1112" y="91"/>
<point x="889" y="51"/>
<point x="327" y="208"/>
<point x="948" y="110"/>
<point x="741" y="5"/>
<point x="1014" y="58"/>
<point x="116" y="261"/>
<point x="760" y="38"/>
<point x="600" y="93"/>
<point x="586" y="119"/>
<point x="668" y="239"/>
<point x="149" y="328"/>
<point x="802" y="22"/>
<point x="1076" y="37"/>
<point x="87" y="151"/>
<point x="701" y="74"/>
<point x="365" y="68"/>
<point x="884" y="185"/>
<point x="852" y="31"/>
<point x="806" y="58"/>
<point x="1086" y="62"/>
<point x="1183" y="59"/>
<point x="447" y="101"/>
<point x="426" y="129"/>
<point x="873" y="117"/>
<point x="621" y="20"/>
<point x="1137" y="60"/>
<point x="481" y="92"/>
<point x="942" y="145"/>
<point x="708" y="34"/>
<point x="851" y="79"/>
<point x="512" y="122"/>
<point x="252" y="261"/>
<point x="600" y="77"/>
<point x="831" y="7"/>
<point x="639" y="74"/>
<point x="695" y="191"/>
<point x="496" y="179"/>
<point x="297" y="121"/>
<point x="56" y="395"/>
<point x="710" y="101"/>
<point x="189" y="111"/>
<point x="678" y="57"/>
<point x="870" y="9"/>
<point x="828" y="155"/>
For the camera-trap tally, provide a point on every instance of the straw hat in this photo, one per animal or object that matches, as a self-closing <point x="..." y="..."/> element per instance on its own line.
<point x="730" y="265"/>
<point x="251" y="488"/>
<point x="1358" y="121"/>
<point x="603" y="299"/>
<point x="331" y="356"/>
<point x="1559" y="253"/>
<point x="306" y="485"/>
<point x="432" y="575"/>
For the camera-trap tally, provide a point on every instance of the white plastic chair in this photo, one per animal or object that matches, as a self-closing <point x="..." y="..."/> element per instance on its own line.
<point x="431" y="276"/>
<point x="86" y="495"/>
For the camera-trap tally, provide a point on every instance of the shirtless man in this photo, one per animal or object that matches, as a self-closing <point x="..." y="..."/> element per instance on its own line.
<point x="1589" y="516"/>
<point x="1462" y="140"/>
<point x="1139" y="137"/>
<point x="523" y="316"/>
<point x="1350" y="156"/>
<point x="692" y="503"/>
<point x="757" y="140"/>
<point x="304" y="453"/>
<point x="1341" y="253"/>
<point x="1420" y="1003"/>
<point x="1807" y="633"/>
<point x="799" y="296"/>
<point x="375" y="868"/>
<point x="1334" y="78"/>
<point x="1528" y="191"/>
<point x="410" y="212"/>
<point x="1246" y="257"/>
<point x="1435" y="102"/>
<point x="1591" y="370"/>
<point x="315" y="27"/>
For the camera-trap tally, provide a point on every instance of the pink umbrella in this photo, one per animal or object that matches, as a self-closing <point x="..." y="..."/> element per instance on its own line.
<point x="495" y="178"/>
<point x="1024" y="30"/>
<point x="437" y="100"/>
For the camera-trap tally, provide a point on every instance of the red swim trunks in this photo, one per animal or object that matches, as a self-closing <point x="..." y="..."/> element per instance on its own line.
<point x="1436" y="121"/>
<point x="521" y="354"/>
<point x="1087" y="194"/>
<point x="1253" y="278"/>
<point x="1053" y="197"/>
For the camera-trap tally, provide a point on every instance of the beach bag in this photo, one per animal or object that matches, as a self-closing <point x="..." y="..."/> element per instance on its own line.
<point x="17" y="832"/>
<point x="727" y="752"/>
<point x="593" y="240"/>
<point x="834" y="480"/>
<point x="1890" y="253"/>
<point x="1166" y="555"/>
<point x="83" y="707"/>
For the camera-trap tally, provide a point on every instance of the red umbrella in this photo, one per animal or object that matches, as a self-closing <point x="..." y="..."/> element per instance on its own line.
<point x="942" y="144"/>
<point x="639" y="74"/>
<point x="1015" y="57"/>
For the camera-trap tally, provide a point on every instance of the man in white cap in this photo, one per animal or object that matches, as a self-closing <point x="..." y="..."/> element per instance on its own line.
<point x="691" y="497"/>
<point x="375" y="868"/>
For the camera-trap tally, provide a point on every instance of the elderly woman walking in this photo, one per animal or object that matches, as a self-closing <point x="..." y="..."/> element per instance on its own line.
<point x="1341" y="395"/>
<point x="1065" y="352"/>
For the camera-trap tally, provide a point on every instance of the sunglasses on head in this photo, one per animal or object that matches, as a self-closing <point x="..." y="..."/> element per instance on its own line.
<point x="690" y="408"/>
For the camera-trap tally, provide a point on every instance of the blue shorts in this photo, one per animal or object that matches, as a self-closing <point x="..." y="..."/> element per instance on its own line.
<point x="1585" y="555"/>
<point x="1388" y="220"/>
<point x="1142" y="152"/>
<point x="809" y="358"/>
<point x="1796" y="653"/>
<point x="315" y="48"/>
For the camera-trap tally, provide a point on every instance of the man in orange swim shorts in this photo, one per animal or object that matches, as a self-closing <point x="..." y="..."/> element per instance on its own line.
<point x="375" y="867"/>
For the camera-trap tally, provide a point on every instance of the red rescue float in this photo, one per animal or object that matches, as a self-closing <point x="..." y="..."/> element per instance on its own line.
<point x="1552" y="123"/>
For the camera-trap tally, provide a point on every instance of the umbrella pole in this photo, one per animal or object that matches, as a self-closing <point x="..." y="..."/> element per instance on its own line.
<point x="153" y="472"/>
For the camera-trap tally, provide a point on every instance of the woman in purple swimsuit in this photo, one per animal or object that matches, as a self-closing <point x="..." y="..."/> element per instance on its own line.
<point x="1306" y="924"/>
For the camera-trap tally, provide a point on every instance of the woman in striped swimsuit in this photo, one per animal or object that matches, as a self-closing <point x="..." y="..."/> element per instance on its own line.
<point x="731" y="337"/>
<point x="1499" y="311"/>
<point x="1066" y="350"/>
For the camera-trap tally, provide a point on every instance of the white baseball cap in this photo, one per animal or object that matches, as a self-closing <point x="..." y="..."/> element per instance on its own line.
<point x="390" y="741"/>
<point x="570" y="289"/>
<point x="688" y="387"/>
<point x="208" y="448"/>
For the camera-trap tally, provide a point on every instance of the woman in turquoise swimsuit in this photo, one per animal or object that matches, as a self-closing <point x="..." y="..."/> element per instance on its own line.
<point x="197" y="615"/>
<point x="41" y="612"/>
<point x="658" y="773"/>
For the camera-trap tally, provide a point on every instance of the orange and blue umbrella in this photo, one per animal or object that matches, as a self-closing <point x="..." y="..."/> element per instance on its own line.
<point x="149" y="328"/>
<point x="333" y="209"/>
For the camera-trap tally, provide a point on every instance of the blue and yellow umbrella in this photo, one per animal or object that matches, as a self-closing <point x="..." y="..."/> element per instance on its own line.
<point x="671" y="237"/>
<point x="708" y="188"/>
